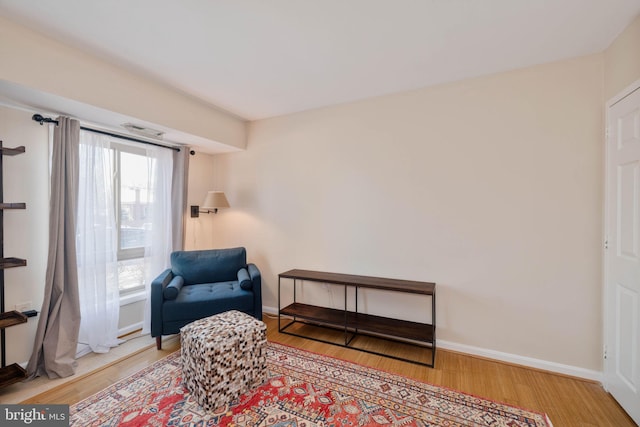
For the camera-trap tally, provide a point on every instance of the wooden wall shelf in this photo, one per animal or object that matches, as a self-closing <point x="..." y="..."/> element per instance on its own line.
<point x="13" y="205"/>
<point x="11" y="151"/>
<point x="12" y="373"/>
<point x="10" y="318"/>
<point x="12" y="262"/>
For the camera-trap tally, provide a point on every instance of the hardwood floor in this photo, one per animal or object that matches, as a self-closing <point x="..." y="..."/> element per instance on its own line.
<point x="567" y="401"/>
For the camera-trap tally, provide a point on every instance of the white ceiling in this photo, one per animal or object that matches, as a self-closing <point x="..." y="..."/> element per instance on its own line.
<point x="263" y="58"/>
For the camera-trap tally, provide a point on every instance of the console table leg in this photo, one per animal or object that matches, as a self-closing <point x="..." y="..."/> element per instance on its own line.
<point x="433" y="329"/>
<point x="346" y="318"/>
<point x="356" y="309"/>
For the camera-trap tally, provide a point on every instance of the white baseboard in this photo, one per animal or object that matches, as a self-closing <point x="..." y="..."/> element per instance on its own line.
<point x="124" y="331"/>
<point x="270" y="310"/>
<point x="515" y="359"/>
<point x="529" y="362"/>
<point x="129" y="328"/>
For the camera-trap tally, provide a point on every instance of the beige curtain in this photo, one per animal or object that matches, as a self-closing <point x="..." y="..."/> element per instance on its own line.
<point x="179" y="196"/>
<point x="56" y="340"/>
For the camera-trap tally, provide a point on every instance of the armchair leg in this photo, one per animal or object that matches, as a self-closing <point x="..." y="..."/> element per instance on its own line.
<point x="159" y="342"/>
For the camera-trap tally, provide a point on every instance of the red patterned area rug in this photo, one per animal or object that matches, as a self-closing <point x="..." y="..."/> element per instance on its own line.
<point x="302" y="390"/>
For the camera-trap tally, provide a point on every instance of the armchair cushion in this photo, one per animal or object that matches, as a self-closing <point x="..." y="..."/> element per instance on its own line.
<point x="244" y="279"/>
<point x="173" y="288"/>
<point x="208" y="266"/>
<point x="195" y="301"/>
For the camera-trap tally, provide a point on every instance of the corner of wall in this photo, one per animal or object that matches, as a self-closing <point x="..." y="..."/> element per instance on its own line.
<point x="621" y="60"/>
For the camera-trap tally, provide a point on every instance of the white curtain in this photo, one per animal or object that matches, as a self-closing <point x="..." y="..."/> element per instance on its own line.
<point x="158" y="240"/>
<point x="97" y="237"/>
<point x="97" y="247"/>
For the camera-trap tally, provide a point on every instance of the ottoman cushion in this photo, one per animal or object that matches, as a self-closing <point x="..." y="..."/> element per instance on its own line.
<point x="223" y="357"/>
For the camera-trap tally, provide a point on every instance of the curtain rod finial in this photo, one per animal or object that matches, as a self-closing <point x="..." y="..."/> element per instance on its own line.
<point x="41" y="119"/>
<point x="38" y="118"/>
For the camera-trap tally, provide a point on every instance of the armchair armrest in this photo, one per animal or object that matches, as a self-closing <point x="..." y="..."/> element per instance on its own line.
<point x="256" y="278"/>
<point x="157" y="289"/>
<point x="244" y="279"/>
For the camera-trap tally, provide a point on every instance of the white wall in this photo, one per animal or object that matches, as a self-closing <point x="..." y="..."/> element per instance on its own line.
<point x="491" y="187"/>
<point x="37" y="62"/>
<point x="200" y="232"/>
<point x="26" y="232"/>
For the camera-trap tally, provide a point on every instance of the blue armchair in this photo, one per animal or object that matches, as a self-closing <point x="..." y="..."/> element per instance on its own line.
<point x="200" y="284"/>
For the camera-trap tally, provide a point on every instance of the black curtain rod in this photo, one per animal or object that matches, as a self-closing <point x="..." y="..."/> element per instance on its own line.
<point x="40" y="119"/>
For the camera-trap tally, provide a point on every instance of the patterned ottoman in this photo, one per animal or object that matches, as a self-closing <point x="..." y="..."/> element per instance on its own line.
<point x="223" y="357"/>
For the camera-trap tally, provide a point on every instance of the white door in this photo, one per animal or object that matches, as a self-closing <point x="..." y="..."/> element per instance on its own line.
<point x="622" y="258"/>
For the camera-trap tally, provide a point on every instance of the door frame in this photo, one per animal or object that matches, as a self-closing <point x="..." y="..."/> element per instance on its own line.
<point x="633" y="87"/>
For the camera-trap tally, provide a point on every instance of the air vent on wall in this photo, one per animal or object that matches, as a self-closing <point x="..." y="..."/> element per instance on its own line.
<point x="143" y="131"/>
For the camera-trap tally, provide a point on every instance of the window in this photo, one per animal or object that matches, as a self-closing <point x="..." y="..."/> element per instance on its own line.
<point x="133" y="195"/>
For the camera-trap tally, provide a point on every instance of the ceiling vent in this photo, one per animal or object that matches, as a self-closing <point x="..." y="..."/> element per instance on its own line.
<point x="143" y="131"/>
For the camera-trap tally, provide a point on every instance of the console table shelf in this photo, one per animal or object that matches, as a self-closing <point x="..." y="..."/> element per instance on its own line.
<point x="360" y="322"/>
<point x="354" y="323"/>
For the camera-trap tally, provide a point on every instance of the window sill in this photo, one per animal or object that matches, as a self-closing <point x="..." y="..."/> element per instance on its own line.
<point x="132" y="297"/>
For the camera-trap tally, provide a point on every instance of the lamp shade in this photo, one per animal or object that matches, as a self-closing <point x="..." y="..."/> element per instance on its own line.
<point x="215" y="200"/>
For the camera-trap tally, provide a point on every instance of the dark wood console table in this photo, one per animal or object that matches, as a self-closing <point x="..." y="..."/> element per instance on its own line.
<point x="354" y="323"/>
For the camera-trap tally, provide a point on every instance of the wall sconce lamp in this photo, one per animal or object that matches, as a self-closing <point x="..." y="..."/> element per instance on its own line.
<point x="213" y="201"/>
